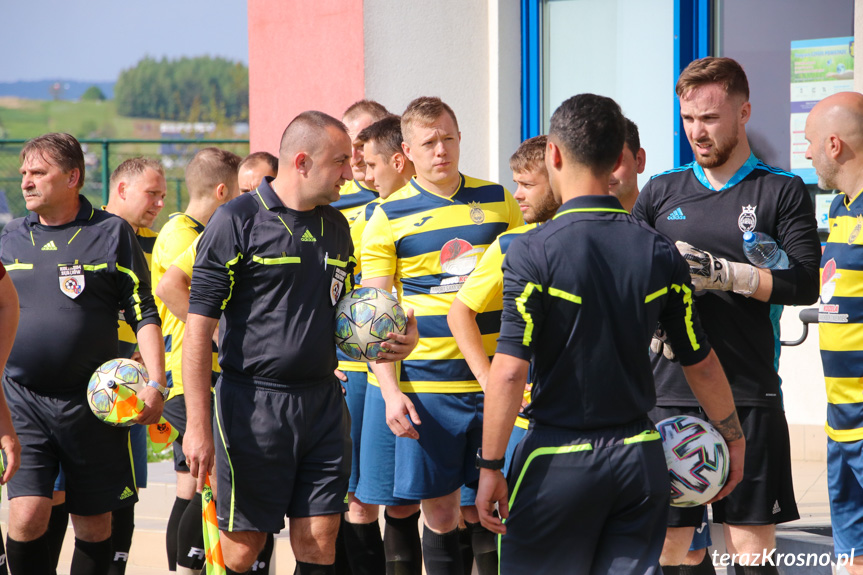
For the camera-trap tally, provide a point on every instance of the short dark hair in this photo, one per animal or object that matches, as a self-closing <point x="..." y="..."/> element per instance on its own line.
<point x="726" y="72"/>
<point x="134" y="167"/>
<point x="633" y="142"/>
<point x="530" y="155"/>
<point x="209" y="168"/>
<point x="590" y="129"/>
<point x="264" y="157"/>
<point x="386" y="134"/>
<point x="306" y="129"/>
<point x="424" y="111"/>
<point x="374" y="109"/>
<point x="60" y="149"/>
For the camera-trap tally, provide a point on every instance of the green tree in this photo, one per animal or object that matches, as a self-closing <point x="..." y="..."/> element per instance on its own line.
<point x="93" y="93"/>
<point x="200" y="89"/>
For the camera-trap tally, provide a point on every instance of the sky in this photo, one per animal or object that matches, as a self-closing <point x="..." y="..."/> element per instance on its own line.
<point x="95" y="40"/>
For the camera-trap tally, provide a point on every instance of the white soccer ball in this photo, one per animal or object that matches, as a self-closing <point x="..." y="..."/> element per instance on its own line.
<point x="363" y="319"/>
<point x="697" y="459"/>
<point x="102" y="388"/>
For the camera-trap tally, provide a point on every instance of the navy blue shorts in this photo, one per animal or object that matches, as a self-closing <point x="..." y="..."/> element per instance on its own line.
<point x="280" y="452"/>
<point x="444" y="457"/>
<point x="765" y="496"/>
<point x="845" y="485"/>
<point x="60" y="429"/>
<point x="355" y="397"/>
<point x="378" y="455"/>
<point x="591" y="499"/>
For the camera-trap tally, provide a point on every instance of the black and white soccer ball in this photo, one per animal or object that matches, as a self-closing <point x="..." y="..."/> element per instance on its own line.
<point x="697" y="459"/>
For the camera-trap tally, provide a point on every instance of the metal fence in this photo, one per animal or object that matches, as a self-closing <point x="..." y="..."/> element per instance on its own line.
<point x="101" y="157"/>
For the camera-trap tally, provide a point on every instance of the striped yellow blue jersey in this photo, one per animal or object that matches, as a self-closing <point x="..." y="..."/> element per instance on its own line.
<point x="146" y="239"/>
<point x="430" y="244"/>
<point x="354" y="196"/>
<point x="484" y="288"/>
<point x="840" y="319"/>
<point x="357" y="228"/>
<point x="176" y="235"/>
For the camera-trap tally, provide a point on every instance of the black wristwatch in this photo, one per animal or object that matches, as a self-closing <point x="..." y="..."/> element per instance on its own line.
<point x="493" y="464"/>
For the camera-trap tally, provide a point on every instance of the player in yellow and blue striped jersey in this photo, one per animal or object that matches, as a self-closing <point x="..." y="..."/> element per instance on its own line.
<point x="425" y="240"/>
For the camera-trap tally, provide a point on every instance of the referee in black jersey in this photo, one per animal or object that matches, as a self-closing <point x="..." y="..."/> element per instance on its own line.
<point x="275" y="262"/>
<point x="75" y="268"/>
<point x="588" y="489"/>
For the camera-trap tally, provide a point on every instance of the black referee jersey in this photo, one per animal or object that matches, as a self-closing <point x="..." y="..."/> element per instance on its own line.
<point x="276" y="274"/>
<point x="582" y="294"/>
<point x="682" y="205"/>
<point x="71" y="281"/>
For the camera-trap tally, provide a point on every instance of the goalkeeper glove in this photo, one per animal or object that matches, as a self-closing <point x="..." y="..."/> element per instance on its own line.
<point x="708" y="272"/>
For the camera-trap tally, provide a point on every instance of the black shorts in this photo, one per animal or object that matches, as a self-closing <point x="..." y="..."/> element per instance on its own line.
<point x="279" y="452"/>
<point x="765" y="496"/>
<point x="61" y="429"/>
<point x="591" y="499"/>
<point x="175" y="414"/>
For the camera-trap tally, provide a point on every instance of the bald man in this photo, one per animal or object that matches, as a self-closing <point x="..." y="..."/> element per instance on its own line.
<point x="277" y="289"/>
<point x="834" y="130"/>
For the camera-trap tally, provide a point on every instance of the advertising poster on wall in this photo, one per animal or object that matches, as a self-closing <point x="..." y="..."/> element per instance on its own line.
<point x="819" y="68"/>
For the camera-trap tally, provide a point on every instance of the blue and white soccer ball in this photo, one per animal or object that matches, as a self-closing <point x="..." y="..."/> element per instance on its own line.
<point x="697" y="459"/>
<point x="363" y="319"/>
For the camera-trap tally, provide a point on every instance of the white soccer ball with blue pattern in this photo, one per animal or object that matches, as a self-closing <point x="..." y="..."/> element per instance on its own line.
<point x="364" y="317"/>
<point x="697" y="459"/>
<point x="101" y="390"/>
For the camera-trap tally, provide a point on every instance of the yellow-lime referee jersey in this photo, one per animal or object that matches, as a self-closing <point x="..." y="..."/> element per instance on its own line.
<point x="430" y="245"/>
<point x="176" y="235"/>
<point x="484" y="288"/>
<point x="146" y="239"/>
<point x="840" y="319"/>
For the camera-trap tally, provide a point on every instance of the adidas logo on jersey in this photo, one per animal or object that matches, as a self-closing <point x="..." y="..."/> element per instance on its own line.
<point x="126" y="494"/>
<point x="308" y="237"/>
<point x="677" y="214"/>
<point x="49" y="246"/>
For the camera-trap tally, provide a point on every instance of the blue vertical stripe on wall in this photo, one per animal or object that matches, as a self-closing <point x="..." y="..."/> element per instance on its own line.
<point x="531" y="68"/>
<point x="693" y="26"/>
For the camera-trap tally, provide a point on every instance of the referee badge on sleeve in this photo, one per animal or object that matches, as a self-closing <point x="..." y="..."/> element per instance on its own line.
<point x="72" y="280"/>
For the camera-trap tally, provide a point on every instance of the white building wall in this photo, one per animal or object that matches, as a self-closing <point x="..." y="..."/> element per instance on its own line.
<point x="465" y="52"/>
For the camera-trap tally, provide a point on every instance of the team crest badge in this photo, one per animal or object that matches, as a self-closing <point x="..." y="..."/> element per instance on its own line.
<point x="477" y="216"/>
<point x="856" y="231"/>
<point x="747" y="220"/>
<point x="337" y="284"/>
<point x="72" y="280"/>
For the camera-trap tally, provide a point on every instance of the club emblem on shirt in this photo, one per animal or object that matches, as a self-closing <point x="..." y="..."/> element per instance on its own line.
<point x="856" y="231"/>
<point x="477" y="216"/>
<point x="829" y="275"/>
<point x="747" y="220"/>
<point x="71" y="280"/>
<point x="459" y="257"/>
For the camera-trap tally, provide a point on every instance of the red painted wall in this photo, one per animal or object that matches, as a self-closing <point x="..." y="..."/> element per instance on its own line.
<point x="303" y="55"/>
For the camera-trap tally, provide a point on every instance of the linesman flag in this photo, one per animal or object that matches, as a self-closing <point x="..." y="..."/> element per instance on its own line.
<point x="212" y="541"/>
<point x="127" y="407"/>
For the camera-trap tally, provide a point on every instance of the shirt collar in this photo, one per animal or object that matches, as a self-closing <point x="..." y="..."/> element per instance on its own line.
<point x="744" y="171"/>
<point x="433" y="195"/>
<point x="268" y="195"/>
<point x="363" y="188"/>
<point x="593" y="203"/>
<point x="85" y="212"/>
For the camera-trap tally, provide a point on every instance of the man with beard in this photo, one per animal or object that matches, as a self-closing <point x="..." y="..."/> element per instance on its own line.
<point x="706" y="206"/>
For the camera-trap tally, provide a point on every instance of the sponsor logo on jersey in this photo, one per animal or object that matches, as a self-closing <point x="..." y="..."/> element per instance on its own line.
<point x="677" y="214"/>
<point x="856" y="231"/>
<point x="50" y="246"/>
<point x="827" y="312"/>
<point x="477" y="216"/>
<point x="747" y="220"/>
<point x="458" y="257"/>
<point x="308" y="237"/>
<point x="422" y="221"/>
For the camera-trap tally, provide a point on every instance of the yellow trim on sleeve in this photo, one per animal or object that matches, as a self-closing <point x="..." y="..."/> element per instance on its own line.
<point x="520" y="302"/>
<point x="135" y="295"/>
<point x="228" y="266"/>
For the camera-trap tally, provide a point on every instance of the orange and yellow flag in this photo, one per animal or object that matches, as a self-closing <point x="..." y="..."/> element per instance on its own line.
<point x="128" y="406"/>
<point x="212" y="541"/>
